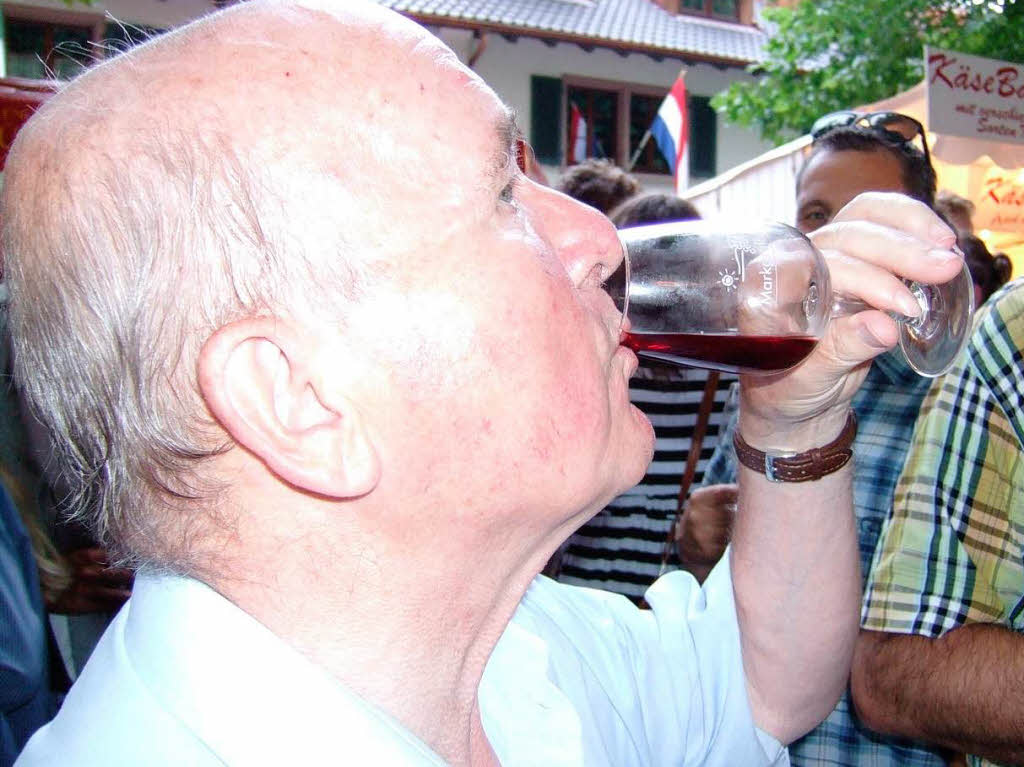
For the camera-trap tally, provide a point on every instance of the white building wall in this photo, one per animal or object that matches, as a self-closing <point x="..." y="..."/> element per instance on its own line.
<point x="507" y="67"/>
<point x="152" y="13"/>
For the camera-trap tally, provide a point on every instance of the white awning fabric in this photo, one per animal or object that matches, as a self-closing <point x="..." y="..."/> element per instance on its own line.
<point x="989" y="173"/>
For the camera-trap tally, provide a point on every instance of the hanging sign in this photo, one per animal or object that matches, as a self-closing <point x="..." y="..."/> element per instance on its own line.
<point x="975" y="97"/>
<point x="999" y="204"/>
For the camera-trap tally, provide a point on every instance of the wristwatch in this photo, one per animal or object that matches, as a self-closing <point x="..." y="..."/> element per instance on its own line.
<point x="781" y="466"/>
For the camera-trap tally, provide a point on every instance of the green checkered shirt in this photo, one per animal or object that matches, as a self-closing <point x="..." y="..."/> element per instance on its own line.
<point x="952" y="551"/>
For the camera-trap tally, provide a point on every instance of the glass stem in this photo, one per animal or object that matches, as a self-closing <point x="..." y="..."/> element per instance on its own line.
<point x="845" y="306"/>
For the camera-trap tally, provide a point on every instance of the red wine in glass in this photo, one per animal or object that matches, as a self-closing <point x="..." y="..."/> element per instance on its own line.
<point x="728" y="352"/>
<point x="755" y="297"/>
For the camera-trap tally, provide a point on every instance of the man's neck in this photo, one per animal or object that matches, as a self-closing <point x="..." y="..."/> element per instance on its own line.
<point x="410" y="630"/>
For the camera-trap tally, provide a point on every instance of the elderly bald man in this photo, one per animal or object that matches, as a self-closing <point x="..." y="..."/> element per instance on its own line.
<point x="338" y="378"/>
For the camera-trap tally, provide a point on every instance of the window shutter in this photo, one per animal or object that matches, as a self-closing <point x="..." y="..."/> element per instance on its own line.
<point x="703" y="136"/>
<point x="545" y="108"/>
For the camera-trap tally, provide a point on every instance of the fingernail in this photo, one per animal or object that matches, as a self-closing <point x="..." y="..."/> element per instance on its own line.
<point x="908" y="305"/>
<point x="943" y="236"/>
<point x="944" y="255"/>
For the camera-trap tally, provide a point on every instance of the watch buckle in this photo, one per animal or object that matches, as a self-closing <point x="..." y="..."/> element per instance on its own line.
<point x="770" y="457"/>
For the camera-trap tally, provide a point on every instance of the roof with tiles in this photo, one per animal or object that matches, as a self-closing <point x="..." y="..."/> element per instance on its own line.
<point x="629" y="25"/>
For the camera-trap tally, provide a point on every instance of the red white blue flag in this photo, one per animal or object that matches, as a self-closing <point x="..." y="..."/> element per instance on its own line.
<point x="577" y="149"/>
<point x="671" y="132"/>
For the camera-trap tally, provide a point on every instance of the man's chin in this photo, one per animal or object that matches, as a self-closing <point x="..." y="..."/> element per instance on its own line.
<point x="635" y="461"/>
<point x="647" y="438"/>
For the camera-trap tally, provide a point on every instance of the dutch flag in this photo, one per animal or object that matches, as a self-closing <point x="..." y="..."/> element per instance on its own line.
<point x="671" y="133"/>
<point x="577" y="136"/>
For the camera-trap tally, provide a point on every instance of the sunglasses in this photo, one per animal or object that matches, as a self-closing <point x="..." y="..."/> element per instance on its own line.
<point x="893" y="126"/>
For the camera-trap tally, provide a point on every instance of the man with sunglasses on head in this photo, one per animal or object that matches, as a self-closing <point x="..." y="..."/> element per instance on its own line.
<point x="855" y="153"/>
<point x="851" y="154"/>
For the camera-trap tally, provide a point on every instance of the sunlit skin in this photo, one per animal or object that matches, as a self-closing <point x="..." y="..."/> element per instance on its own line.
<point x="486" y="369"/>
<point x="493" y="285"/>
<point x="507" y="298"/>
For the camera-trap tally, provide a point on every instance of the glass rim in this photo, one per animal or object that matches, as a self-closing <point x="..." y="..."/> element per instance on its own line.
<point x="623" y="269"/>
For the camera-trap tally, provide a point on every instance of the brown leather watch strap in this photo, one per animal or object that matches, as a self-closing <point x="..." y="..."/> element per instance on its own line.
<point x="800" y="467"/>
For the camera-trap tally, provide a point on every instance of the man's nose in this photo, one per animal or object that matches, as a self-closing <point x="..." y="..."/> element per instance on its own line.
<point x="582" y="236"/>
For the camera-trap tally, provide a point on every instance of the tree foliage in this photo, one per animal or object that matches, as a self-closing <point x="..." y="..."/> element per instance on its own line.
<point x="835" y="54"/>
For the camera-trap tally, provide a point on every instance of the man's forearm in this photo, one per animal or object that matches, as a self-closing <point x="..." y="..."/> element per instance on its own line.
<point x="961" y="690"/>
<point x="797" y="582"/>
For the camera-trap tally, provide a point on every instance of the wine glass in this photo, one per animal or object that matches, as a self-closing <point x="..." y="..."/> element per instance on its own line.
<point x="757" y="298"/>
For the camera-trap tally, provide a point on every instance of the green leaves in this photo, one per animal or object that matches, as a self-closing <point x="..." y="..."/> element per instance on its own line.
<point x="835" y="54"/>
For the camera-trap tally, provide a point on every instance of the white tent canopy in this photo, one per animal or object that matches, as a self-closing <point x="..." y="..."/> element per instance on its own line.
<point x="970" y="167"/>
<point x="762" y="187"/>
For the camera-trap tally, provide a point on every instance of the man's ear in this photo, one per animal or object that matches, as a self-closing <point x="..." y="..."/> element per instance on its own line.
<point x="255" y="377"/>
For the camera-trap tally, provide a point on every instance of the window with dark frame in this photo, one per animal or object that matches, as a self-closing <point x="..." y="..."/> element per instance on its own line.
<point x="599" y="109"/>
<point x="618" y="116"/>
<point x="719" y="9"/>
<point x="41" y="49"/>
<point x="642" y="111"/>
<point x="729" y="9"/>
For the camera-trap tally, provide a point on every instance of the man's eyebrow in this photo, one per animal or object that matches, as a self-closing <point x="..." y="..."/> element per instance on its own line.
<point x="508" y="134"/>
<point x="809" y="203"/>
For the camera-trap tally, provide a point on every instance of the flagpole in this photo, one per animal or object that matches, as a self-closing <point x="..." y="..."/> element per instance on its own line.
<point x="639" y="149"/>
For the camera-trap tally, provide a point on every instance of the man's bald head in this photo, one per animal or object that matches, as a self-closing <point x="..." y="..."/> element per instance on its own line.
<point x="231" y="168"/>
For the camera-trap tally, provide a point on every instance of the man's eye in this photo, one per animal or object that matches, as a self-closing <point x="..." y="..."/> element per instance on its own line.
<point x="813" y="219"/>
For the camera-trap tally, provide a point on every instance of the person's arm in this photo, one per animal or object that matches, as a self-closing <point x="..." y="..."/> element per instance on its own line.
<point x="794" y="556"/>
<point x="932" y="663"/>
<point x="796" y="575"/>
<point x="704" y="528"/>
<point x="705" y="525"/>
<point x="960" y="690"/>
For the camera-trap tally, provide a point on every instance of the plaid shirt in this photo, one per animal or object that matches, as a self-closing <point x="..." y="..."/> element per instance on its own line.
<point x="886" y="406"/>
<point x="953" y="550"/>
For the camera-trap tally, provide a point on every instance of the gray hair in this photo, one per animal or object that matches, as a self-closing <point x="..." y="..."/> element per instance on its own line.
<point x="122" y="258"/>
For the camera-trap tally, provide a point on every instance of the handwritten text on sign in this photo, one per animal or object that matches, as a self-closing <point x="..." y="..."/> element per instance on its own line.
<point x="975" y="97"/>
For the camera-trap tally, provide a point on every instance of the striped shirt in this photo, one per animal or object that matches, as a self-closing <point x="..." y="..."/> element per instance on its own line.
<point x="952" y="552"/>
<point x="620" y="549"/>
<point x="886" y="405"/>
